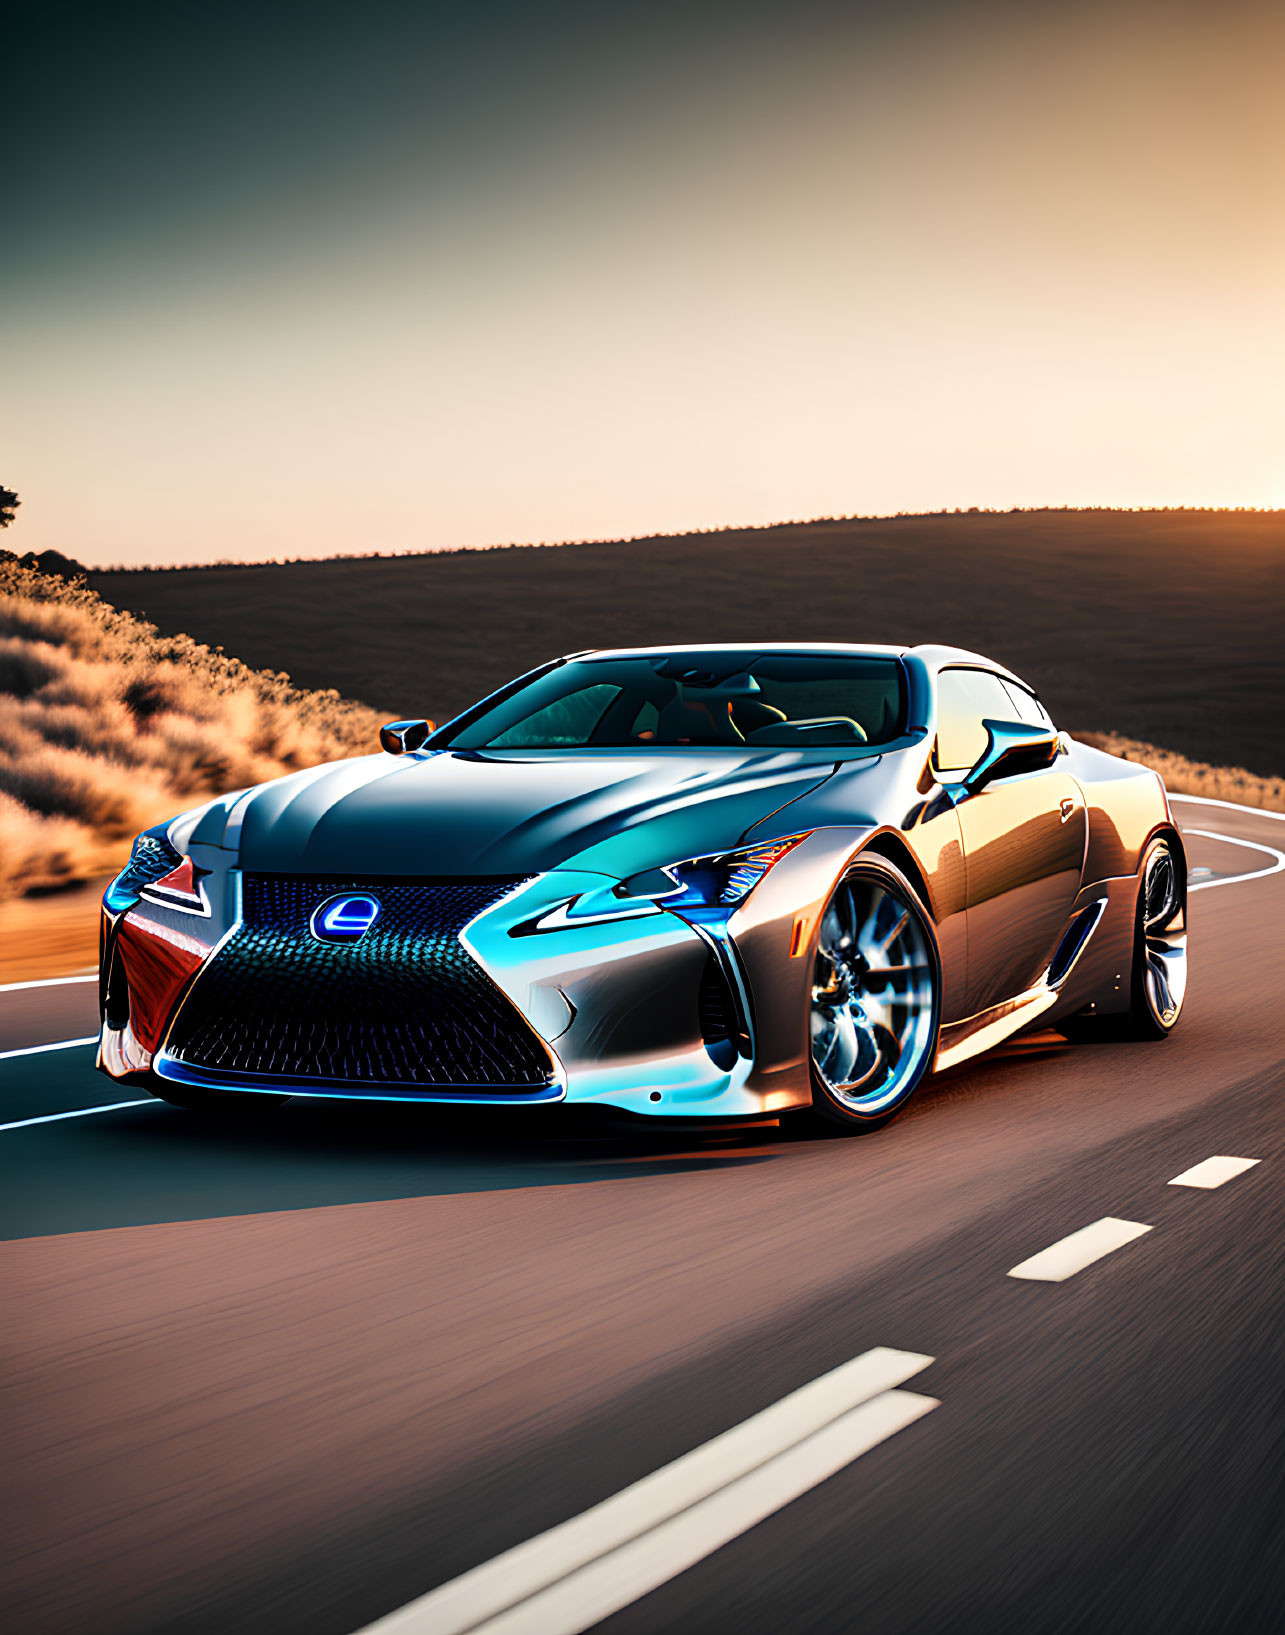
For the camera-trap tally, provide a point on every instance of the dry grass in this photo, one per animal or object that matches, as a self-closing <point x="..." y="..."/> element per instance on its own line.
<point x="106" y="726"/>
<point x="1186" y="777"/>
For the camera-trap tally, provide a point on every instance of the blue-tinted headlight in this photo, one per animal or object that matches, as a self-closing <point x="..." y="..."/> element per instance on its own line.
<point x="721" y="881"/>
<point x="152" y="859"/>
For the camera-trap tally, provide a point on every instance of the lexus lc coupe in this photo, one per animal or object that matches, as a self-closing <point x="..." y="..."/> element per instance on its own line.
<point x="711" y="883"/>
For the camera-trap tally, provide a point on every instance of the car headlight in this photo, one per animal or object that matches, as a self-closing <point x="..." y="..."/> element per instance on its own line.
<point x="151" y="859"/>
<point x="720" y="881"/>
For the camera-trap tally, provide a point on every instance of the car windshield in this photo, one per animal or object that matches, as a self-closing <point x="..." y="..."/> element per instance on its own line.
<point x="675" y="700"/>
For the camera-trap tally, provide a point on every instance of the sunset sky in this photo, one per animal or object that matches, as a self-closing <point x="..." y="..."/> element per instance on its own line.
<point x="289" y="280"/>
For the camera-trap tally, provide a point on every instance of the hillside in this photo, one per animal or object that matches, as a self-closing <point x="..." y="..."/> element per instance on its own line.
<point x="1164" y="626"/>
<point x="106" y="726"/>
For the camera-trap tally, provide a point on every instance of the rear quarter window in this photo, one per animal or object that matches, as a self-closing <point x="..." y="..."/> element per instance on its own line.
<point x="966" y="698"/>
<point x="1028" y="707"/>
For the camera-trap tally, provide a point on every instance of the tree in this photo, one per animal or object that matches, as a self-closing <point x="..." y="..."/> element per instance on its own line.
<point x="52" y="563"/>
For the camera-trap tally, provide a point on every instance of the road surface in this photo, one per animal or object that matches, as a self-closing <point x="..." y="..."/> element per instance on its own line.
<point x="295" y="1373"/>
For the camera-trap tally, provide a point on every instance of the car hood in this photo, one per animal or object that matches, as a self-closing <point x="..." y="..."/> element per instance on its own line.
<point x="454" y="812"/>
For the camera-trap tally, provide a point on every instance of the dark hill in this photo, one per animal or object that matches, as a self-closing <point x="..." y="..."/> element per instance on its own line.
<point x="1163" y="625"/>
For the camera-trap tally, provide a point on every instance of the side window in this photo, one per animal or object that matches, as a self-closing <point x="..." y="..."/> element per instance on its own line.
<point x="966" y="698"/>
<point x="1028" y="707"/>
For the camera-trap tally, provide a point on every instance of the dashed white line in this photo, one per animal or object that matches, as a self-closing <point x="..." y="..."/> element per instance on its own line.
<point x="1072" y="1254"/>
<point x="589" y="1567"/>
<point x="37" y="1050"/>
<point x="614" y="1581"/>
<point x="1213" y="1172"/>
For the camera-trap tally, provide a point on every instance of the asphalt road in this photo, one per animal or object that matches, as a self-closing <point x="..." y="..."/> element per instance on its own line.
<point x="289" y="1374"/>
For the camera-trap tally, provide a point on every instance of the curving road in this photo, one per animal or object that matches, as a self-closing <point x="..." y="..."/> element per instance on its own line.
<point x="292" y="1375"/>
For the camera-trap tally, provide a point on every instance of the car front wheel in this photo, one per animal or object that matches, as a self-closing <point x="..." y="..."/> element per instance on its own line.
<point x="874" y="1000"/>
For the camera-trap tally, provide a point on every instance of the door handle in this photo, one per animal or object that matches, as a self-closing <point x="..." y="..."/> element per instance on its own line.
<point x="1067" y="808"/>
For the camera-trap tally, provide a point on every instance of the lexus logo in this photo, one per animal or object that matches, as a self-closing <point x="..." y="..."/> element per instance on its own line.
<point x="344" y="918"/>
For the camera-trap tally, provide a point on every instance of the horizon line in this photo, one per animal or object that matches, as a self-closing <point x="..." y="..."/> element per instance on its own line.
<point x="685" y="533"/>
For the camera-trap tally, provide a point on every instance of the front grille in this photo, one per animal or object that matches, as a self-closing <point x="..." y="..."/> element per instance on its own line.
<point x="404" y="1005"/>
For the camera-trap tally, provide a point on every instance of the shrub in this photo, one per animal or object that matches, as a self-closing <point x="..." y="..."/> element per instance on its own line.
<point x="106" y="726"/>
<point x="1186" y="777"/>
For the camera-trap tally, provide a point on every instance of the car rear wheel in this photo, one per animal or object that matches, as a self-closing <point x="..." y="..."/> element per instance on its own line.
<point x="1160" y="945"/>
<point x="1158" y="974"/>
<point x="875" y="998"/>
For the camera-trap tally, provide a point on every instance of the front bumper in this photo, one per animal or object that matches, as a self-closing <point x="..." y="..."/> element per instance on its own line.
<point x="618" y="1010"/>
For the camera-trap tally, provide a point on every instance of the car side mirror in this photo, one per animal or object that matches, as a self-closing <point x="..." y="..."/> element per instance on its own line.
<point x="1013" y="747"/>
<point x="404" y="737"/>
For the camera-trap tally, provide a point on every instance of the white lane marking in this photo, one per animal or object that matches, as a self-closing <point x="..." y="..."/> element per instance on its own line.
<point x="1233" y="879"/>
<point x="1231" y="805"/>
<point x="650" y="1519"/>
<point x="47" y="982"/>
<point x="616" y="1580"/>
<point x="79" y="1112"/>
<point x="36" y="1050"/>
<point x="1070" y="1255"/>
<point x="1213" y="1172"/>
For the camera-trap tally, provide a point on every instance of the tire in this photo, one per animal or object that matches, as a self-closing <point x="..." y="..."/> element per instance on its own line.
<point x="872" y="1036"/>
<point x="1158" y="981"/>
<point x="194" y="1098"/>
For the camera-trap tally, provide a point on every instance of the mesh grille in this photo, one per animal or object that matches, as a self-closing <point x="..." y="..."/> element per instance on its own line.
<point x="404" y="1005"/>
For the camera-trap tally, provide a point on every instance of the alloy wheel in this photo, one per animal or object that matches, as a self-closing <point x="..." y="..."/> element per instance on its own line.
<point x="873" y="1015"/>
<point x="1163" y="954"/>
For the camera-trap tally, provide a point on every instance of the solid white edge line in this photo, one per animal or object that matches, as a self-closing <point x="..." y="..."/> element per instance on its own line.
<point x="1231" y="805"/>
<point x="644" y="1564"/>
<point x="1234" y="879"/>
<point x="1213" y="1172"/>
<point x="78" y="1112"/>
<point x="531" y="1567"/>
<point x="36" y="1050"/>
<point x="1072" y="1254"/>
<point x="48" y="982"/>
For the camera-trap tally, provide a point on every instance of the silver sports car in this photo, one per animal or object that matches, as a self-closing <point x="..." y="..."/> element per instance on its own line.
<point x="708" y="883"/>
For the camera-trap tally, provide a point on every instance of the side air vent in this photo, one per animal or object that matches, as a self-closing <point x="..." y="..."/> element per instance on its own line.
<point x="717" y="1011"/>
<point x="113" y="987"/>
<point x="1073" y="942"/>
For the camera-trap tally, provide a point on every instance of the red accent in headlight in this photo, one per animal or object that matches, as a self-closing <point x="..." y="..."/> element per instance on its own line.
<point x="180" y="888"/>
<point x="179" y="880"/>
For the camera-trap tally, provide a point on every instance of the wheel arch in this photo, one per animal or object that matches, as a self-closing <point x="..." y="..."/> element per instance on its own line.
<point x="893" y="849"/>
<point x="921" y="1031"/>
<point x="1166" y="830"/>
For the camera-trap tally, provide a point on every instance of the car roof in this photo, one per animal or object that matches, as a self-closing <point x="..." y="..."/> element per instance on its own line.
<point x="934" y="656"/>
<point x="862" y="649"/>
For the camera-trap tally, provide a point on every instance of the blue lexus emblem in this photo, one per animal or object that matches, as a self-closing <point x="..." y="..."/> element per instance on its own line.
<point x="344" y="918"/>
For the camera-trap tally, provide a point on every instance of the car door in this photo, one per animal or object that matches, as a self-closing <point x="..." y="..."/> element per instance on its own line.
<point x="1023" y="838"/>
